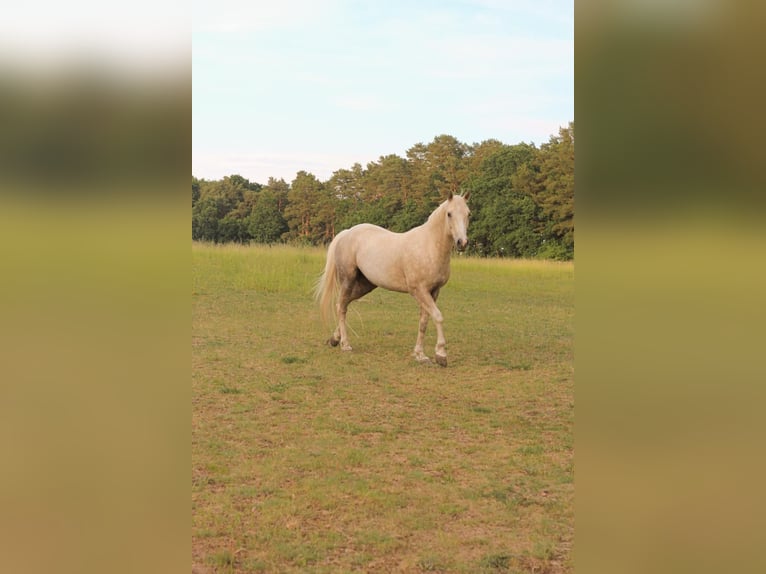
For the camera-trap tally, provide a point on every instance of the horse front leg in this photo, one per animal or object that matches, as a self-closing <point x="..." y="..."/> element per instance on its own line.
<point x="427" y="301"/>
<point x="441" y="342"/>
<point x="420" y="356"/>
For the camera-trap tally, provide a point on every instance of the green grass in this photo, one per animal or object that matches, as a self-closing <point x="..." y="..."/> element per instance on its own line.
<point x="308" y="459"/>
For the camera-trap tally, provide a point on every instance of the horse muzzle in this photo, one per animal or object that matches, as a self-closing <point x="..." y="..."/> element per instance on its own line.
<point x="461" y="244"/>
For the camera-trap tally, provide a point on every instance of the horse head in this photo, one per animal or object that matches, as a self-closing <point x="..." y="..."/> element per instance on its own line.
<point x="458" y="214"/>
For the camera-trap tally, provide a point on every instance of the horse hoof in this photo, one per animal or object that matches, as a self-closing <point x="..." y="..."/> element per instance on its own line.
<point x="346" y="348"/>
<point x="422" y="359"/>
<point x="333" y="342"/>
<point x="441" y="360"/>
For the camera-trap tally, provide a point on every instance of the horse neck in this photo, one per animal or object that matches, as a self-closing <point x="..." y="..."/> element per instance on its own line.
<point x="439" y="230"/>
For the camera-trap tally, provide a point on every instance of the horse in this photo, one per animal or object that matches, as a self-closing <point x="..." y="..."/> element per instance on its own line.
<point x="366" y="256"/>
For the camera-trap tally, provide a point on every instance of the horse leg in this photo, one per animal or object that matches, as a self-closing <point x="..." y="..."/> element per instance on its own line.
<point x="350" y="291"/>
<point x="420" y="356"/>
<point x="428" y="307"/>
<point x="339" y="334"/>
<point x="441" y="343"/>
<point x="342" y="307"/>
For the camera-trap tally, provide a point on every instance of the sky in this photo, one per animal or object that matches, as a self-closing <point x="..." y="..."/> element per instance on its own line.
<point x="318" y="85"/>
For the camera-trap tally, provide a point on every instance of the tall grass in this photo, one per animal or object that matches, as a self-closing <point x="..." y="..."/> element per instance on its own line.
<point x="267" y="269"/>
<point x="308" y="459"/>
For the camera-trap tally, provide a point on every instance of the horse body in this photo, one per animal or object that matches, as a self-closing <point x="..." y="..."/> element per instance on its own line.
<point x="366" y="256"/>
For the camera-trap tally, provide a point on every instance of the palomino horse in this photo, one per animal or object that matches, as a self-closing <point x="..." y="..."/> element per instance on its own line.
<point x="366" y="256"/>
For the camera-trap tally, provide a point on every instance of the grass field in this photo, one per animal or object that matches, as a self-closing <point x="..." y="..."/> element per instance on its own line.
<point x="308" y="459"/>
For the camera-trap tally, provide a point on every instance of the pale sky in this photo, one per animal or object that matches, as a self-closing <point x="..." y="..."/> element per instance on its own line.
<point x="318" y="85"/>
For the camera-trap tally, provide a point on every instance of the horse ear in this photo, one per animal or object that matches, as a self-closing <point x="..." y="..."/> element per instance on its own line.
<point x="451" y="195"/>
<point x="467" y="195"/>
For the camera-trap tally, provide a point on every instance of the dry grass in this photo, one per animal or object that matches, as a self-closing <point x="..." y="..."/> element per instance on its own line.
<point x="307" y="459"/>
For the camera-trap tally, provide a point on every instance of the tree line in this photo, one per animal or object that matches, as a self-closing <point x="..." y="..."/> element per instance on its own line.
<point x="522" y="198"/>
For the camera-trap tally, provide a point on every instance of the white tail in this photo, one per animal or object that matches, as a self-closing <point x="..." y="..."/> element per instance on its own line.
<point x="327" y="286"/>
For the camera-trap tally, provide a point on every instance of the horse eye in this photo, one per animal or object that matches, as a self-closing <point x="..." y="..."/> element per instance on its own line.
<point x="449" y="214"/>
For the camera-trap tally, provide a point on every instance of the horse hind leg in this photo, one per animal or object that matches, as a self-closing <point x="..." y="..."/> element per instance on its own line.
<point x="350" y="291"/>
<point x="341" y="335"/>
<point x="342" y="332"/>
<point x="346" y="273"/>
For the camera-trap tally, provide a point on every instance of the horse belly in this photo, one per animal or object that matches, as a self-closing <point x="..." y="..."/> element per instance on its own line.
<point x="381" y="269"/>
<point x="378" y="258"/>
<point x="385" y="280"/>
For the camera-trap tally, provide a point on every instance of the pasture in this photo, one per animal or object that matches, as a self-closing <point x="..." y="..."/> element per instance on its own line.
<point x="309" y="459"/>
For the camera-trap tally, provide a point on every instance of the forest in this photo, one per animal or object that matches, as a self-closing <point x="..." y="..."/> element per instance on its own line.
<point x="522" y="198"/>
